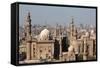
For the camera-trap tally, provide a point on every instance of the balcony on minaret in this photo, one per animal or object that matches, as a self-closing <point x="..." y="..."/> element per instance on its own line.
<point x="27" y="27"/>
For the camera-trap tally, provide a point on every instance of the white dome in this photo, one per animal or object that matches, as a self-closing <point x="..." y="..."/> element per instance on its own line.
<point x="70" y="48"/>
<point x="44" y="34"/>
<point x="92" y="32"/>
<point x="87" y="34"/>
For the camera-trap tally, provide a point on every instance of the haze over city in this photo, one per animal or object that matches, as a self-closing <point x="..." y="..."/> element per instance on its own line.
<point x="53" y="15"/>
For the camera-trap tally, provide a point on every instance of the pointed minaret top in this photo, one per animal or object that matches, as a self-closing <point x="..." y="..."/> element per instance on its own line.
<point x="28" y="19"/>
<point x="72" y="20"/>
<point x="28" y="14"/>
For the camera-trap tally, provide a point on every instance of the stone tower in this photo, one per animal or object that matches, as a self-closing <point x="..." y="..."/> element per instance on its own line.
<point x="73" y="38"/>
<point x="73" y="30"/>
<point x="28" y="37"/>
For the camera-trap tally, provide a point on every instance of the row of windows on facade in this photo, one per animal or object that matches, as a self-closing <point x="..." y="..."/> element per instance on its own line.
<point x="40" y="50"/>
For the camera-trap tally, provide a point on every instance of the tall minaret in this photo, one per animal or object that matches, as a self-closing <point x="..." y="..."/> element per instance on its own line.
<point x="71" y="28"/>
<point x="27" y="27"/>
<point x="55" y="31"/>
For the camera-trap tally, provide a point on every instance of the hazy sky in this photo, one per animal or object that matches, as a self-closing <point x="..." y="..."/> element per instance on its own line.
<point x="53" y="15"/>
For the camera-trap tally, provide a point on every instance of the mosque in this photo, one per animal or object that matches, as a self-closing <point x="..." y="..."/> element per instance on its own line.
<point x="56" y="45"/>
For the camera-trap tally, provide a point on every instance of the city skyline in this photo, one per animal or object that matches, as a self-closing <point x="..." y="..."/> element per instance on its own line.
<point x="55" y="45"/>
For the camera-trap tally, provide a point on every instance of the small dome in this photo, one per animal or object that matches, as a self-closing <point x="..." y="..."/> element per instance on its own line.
<point x="70" y="49"/>
<point x="44" y="35"/>
<point x="87" y="34"/>
<point x="64" y="34"/>
<point x="92" y="32"/>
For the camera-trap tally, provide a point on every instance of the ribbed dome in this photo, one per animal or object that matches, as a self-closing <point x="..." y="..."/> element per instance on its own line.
<point x="44" y="35"/>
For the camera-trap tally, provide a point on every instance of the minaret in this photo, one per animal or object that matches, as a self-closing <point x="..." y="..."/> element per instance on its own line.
<point x="27" y="28"/>
<point x="75" y="33"/>
<point x="55" y="32"/>
<point x="72" y="28"/>
<point x="71" y="31"/>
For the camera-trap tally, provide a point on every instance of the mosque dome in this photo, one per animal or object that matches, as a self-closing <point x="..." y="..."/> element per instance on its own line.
<point x="64" y="34"/>
<point x="44" y="35"/>
<point x="92" y="32"/>
<point x="70" y="49"/>
<point x="87" y="34"/>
